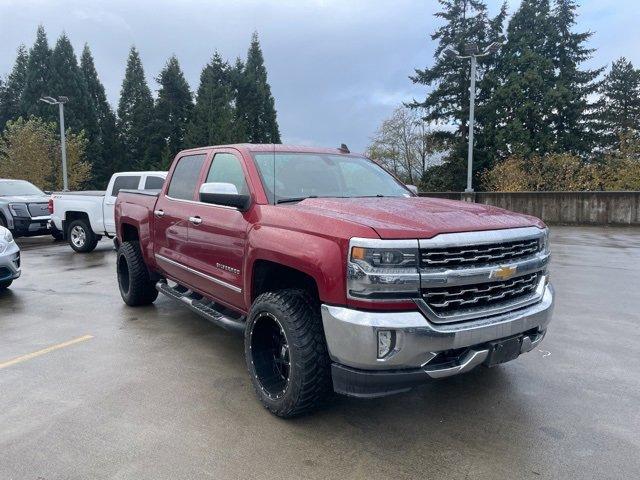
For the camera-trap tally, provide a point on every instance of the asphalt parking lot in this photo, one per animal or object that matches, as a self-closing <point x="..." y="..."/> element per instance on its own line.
<point x="92" y="389"/>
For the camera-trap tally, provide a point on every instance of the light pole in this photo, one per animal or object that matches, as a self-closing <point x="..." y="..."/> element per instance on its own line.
<point x="471" y="52"/>
<point x="63" y="144"/>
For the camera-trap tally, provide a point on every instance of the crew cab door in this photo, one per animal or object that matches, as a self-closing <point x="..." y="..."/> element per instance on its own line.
<point x="171" y="217"/>
<point x="119" y="182"/>
<point x="218" y="234"/>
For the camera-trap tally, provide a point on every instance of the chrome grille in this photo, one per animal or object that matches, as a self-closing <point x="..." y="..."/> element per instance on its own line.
<point x="447" y="300"/>
<point x="470" y="275"/>
<point x="39" y="209"/>
<point x="458" y="256"/>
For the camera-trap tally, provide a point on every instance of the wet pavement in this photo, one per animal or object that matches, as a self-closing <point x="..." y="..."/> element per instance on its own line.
<point x="158" y="393"/>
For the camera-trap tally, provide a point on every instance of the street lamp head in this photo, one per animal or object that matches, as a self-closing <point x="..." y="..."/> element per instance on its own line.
<point x="450" y="52"/>
<point x="493" y="48"/>
<point x="63" y="99"/>
<point x="49" y="100"/>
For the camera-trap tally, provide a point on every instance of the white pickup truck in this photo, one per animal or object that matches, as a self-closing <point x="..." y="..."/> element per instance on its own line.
<point x="85" y="217"/>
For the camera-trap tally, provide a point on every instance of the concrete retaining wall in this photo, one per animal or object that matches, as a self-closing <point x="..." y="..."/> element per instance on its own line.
<point x="596" y="208"/>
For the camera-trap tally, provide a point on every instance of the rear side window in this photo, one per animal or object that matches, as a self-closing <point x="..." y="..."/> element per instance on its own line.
<point x="226" y="168"/>
<point x="153" y="183"/>
<point x="127" y="182"/>
<point x="185" y="177"/>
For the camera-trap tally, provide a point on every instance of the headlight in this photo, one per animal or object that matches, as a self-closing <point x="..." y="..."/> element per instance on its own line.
<point x="5" y="239"/>
<point x="544" y="241"/>
<point x="19" y="209"/>
<point x="5" y="235"/>
<point x="382" y="269"/>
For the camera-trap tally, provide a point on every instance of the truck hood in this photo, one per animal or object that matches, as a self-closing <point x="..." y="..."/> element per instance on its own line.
<point x="416" y="217"/>
<point x="25" y="199"/>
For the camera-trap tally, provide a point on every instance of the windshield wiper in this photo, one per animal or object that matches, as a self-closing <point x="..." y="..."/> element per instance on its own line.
<point x="295" y="199"/>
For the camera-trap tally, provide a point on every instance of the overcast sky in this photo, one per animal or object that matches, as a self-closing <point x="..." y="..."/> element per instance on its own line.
<point x="337" y="68"/>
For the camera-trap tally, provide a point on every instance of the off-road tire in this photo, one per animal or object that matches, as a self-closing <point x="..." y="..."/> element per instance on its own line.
<point x="309" y="377"/>
<point x="136" y="287"/>
<point x="90" y="239"/>
<point x="5" y="285"/>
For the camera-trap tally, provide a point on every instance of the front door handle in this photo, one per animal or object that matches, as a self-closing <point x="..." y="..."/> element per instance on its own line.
<point x="195" y="220"/>
<point x="159" y="213"/>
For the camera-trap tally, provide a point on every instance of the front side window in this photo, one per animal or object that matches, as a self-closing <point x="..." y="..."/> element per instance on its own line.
<point x="294" y="176"/>
<point x="128" y="182"/>
<point x="185" y="177"/>
<point x="226" y="168"/>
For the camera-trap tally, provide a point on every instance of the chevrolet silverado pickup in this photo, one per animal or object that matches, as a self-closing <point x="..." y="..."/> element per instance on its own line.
<point x="337" y="275"/>
<point x="83" y="218"/>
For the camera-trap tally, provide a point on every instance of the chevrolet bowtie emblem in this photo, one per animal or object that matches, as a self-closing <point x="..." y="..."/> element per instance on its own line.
<point x="504" y="273"/>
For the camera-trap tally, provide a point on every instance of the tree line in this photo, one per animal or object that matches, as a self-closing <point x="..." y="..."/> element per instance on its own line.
<point x="233" y="104"/>
<point x="543" y="119"/>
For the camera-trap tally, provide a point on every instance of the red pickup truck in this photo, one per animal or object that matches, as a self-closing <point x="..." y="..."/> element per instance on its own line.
<point x="338" y="276"/>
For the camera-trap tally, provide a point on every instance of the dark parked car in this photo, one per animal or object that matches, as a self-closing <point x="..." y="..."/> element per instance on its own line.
<point x="24" y="209"/>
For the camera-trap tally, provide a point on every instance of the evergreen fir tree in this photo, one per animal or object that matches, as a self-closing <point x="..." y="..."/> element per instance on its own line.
<point x="523" y="100"/>
<point x="465" y="22"/>
<point x="572" y="115"/>
<point x="256" y="106"/>
<point x="135" y="116"/>
<point x="619" y="113"/>
<point x="213" y="116"/>
<point x="12" y="89"/>
<point x="237" y="79"/>
<point x="107" y="153"/>
<point x="67" y="80"/>
<point x="173" y="110"/>
<point x="37" y="80"/>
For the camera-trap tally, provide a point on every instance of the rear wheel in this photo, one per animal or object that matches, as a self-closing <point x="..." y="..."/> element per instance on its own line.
<point x="81" y="237"/>
<point x="136" y="287"/>
<point x="286" y="352"/>
<point x="5" y="285"/>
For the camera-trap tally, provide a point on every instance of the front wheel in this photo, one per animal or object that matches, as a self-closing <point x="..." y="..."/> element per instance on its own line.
<point x="81" y="237"/>
<point x="286" y="352"/>
<point x="136" y="287"/>
<point x="4" y="285"/>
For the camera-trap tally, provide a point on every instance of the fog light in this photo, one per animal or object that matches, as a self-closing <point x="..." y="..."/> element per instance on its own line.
<point x="385" y="342"/>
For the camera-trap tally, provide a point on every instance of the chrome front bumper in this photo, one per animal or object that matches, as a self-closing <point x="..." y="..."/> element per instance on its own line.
<point x="352" y="338"/>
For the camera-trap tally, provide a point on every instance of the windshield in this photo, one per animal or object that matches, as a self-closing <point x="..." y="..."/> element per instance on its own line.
<point x="13" y="188"/>
<point x="296" y="176"/>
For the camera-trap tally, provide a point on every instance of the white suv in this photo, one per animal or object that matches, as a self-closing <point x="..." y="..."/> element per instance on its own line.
<point x="9" y="259"/>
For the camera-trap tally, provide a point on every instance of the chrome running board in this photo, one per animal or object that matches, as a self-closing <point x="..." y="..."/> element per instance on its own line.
<point x="202" y="306"/>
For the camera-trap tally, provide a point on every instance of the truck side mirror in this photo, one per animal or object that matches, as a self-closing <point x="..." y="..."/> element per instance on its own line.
<point x="225" y="194"/>
<point x="413" y="189"/>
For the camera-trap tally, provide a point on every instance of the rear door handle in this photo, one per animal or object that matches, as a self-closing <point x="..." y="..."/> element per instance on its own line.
<point x="195" y="220"/>
<point x="159" y="213"/>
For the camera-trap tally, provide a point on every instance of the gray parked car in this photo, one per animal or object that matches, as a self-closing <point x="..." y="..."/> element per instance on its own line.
<point x="24" y="209"/>
<point x="9" y="259"/>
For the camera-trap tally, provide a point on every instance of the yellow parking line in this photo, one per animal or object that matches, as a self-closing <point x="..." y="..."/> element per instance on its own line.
<point x="52" y="348"/>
